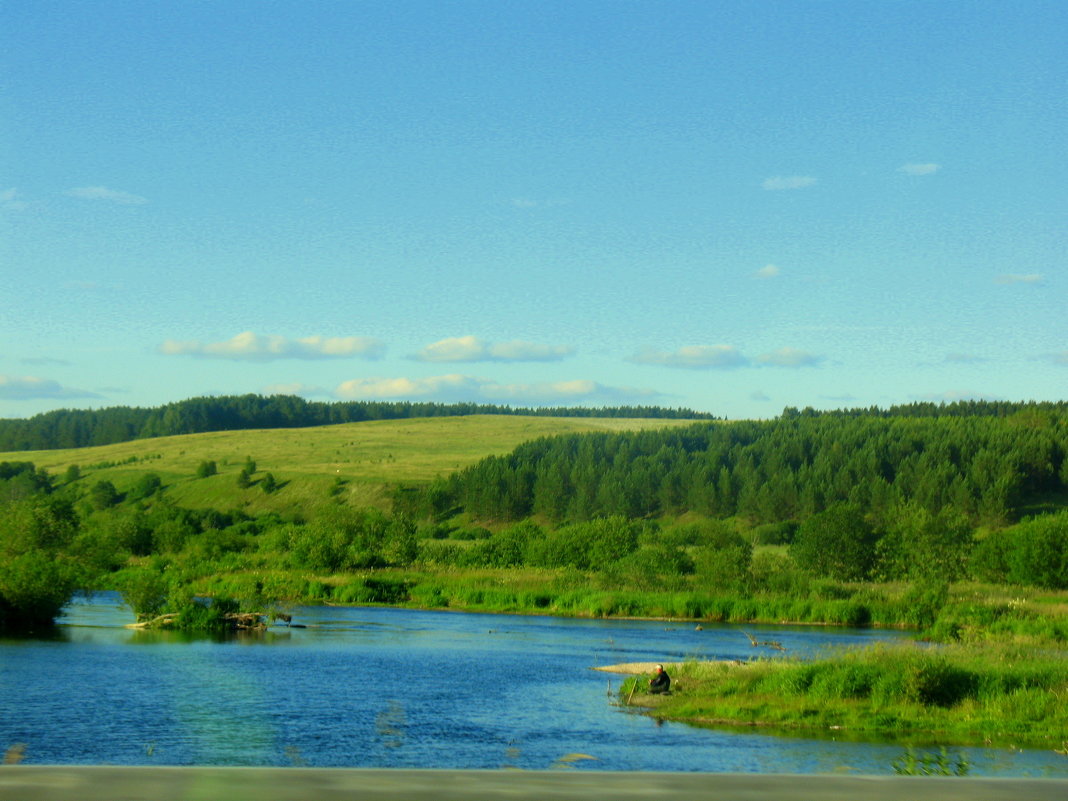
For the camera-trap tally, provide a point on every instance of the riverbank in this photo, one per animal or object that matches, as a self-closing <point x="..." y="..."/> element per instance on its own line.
<point x="954" y="612"/>
<point x="1006" y="695"/>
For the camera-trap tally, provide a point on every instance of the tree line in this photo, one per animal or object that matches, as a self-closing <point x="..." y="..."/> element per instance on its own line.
<point x="991" y="469"/>
<point x="79" y="428"/>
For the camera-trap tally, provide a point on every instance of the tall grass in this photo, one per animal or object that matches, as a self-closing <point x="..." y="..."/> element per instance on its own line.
<point x="962" y="694"/>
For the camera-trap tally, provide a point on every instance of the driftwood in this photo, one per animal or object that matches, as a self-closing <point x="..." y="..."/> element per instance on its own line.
<point x="235" y="621"/>
<point x="778" y="646"/>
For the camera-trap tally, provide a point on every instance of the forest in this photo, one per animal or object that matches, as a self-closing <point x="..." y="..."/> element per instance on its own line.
<point x="990" y="469"/>
<point x="820" y="517"/>
<point x="80" y="428"/>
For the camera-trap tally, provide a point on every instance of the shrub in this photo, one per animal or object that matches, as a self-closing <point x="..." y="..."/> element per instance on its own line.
<point x="838" y="543"/>
<point x="145" y="591"/>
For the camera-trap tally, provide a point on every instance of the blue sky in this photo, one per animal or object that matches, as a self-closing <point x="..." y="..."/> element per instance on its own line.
<point x="730" y="206"/>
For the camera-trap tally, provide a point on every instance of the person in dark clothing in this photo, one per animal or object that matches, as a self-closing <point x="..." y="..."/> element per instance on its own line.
<point x="660" y="682"/>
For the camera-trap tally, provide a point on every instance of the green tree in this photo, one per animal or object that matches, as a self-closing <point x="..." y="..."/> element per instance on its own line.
<point x="1039" y="552"/>
<point x="837" y="543"/>
<point x="145" y="487"/>
<point x="146" y="591"/>
<point x="38" y="576"/>
<point x="103" y="495"/>
<point x="207" y="468"/>
<point x="919" y="544"/>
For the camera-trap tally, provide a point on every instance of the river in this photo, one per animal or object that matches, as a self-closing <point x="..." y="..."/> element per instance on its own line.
<point x="394" y="688"/>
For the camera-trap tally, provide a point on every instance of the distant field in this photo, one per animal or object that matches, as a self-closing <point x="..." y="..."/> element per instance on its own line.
<point x="365" y="456"/>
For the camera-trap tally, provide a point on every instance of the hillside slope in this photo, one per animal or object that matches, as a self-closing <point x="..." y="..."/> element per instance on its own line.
<point x="362" y="458"/>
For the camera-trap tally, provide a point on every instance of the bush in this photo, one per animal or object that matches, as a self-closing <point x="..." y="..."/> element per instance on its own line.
<point x="103" y="495"/>
<point x="34" y="588"/>
<point x="205" y="614"/>
<point x="838" y="543"/>
<point x="782" y="533"/>
<point x="145" y="487"/>
<point x="145" y="591"/>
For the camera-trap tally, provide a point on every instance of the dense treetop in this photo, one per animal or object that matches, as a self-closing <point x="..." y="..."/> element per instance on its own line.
<point x="989" y="467"/>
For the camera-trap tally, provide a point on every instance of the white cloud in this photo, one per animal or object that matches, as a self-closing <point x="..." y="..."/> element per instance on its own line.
<point x="455" y="387"/>
<point x="1060" y="358"/>
<point x="407" y="388"/>
<point x="110" y="195"/>
<point x="789" y="357"/>
<point x="694" y="357"/>
<point x="964" y="358"/>
<point x="248" y="346"/>
<point x="758" y="395"/>
<point x="1018" y="278"/>
<point x="919" y="169"/>
<point x="780" y="182"/>
<point x="30" y="387"/>
<point x="473" y="349"/>
<point x="767" y="271"/>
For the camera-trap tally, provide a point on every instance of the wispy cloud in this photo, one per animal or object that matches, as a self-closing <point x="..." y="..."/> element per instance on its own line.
<point x="11" y="201"/>
<point x="248" y="346"/>
<point x="919" y="169"/>
<point x="694" y="357"/>
<point x="39" y="361"/>
<point x="109" y="195"/>
<point x="473" y="349"/>
<point x="1020" y="278"/>
<point x="767" y="271"/>
<point x="759" y="395"/>
<point x="32" y="387"/>
<point x="1060" y="358"/>
<point x="455" y="387"/>
<point x="789" y="357"/>
<point x="780" y="182"/>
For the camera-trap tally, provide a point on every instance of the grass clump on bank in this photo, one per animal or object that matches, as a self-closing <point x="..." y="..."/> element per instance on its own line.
<point x="964" y="694"/>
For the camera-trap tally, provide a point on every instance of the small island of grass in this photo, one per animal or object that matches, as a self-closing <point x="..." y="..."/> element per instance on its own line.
<point x="992" y="694"/>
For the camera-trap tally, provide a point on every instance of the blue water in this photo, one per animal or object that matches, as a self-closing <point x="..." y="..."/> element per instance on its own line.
<point x="362" y="687"/>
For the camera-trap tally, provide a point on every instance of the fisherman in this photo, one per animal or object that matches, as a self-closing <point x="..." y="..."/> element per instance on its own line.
<point x="661" y="682"/>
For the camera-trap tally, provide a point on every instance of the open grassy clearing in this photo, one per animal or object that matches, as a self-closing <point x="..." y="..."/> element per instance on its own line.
<point x="308" y="461"/>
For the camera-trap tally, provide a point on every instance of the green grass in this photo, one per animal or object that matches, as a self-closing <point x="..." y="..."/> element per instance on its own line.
<point x="367" y="457"/>
<point x="965" y="695"/>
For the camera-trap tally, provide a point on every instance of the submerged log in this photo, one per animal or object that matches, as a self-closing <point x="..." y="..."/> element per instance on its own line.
<point x="234" y="621"/>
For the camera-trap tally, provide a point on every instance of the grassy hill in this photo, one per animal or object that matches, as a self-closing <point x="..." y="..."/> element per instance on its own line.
<point x="366" y="458"/>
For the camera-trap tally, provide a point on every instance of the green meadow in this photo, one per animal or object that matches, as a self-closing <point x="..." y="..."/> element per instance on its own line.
<point x="367" y="458"/>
